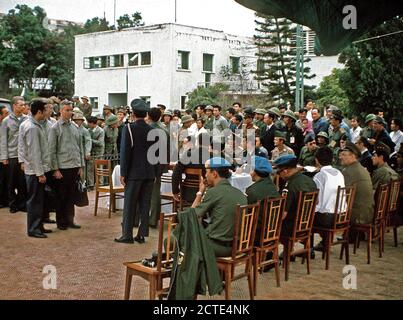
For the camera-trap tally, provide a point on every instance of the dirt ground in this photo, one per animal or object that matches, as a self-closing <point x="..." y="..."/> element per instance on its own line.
<point x="89" y="265"/>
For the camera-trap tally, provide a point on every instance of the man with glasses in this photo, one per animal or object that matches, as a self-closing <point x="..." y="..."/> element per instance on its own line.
<point x="67" y="161"/>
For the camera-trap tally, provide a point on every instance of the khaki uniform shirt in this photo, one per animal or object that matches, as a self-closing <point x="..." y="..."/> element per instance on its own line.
<point x="9" y="130"/>
<point x="307" y="158"/>
<point x="98" y="141"/>
<point x="111" y="137"/>
<point x="86" y="109"/>
<point x="276" y="153"/>
<point x="86" y="140"/>
<point x="383" y="175"/>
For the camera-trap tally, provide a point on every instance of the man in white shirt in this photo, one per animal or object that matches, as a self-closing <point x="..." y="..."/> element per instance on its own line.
<point x="355" y="129"/>
<point x="396" y="134"/>
<point x="327" y="180"/>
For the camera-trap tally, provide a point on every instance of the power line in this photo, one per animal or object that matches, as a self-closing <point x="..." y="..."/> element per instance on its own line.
<point x="377" y="37"/>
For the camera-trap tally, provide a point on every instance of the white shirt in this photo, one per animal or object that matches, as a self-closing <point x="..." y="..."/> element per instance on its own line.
<point x="328" y="179"/>
<point x="355" y="134"/>
<point x="397" y="138"/>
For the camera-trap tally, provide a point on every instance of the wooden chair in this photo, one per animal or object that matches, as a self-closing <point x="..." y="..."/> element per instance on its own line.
<point x="192" y="181"/>
<point x="301" y="231"/>
<point x="341" y="224"/>
<point x="103" y="168"/>
<point x="391" y="210"/>
<point x="169" y="196"/>
<point x="242" y="248"/>
<point x="373" y="230"/>
<point x="156" y="275"/>
<point x="269" y="238"/>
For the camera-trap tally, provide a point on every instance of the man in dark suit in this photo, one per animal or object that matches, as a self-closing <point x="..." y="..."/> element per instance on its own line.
<point x="268" y="131"/>
<point x="366" y="157"/>
<point x="137" y="174"/>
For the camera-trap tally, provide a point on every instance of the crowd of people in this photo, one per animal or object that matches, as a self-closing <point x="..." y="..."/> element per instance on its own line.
<point x="52" y="144"/>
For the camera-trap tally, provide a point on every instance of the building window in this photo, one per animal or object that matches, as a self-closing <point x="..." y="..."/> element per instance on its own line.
<point x="87" y="63"/>
<point x="183" y="60"/>
<point x="145" y="58"/>
<point x="94" y="102"/>
<point x="183" y="102"/>
<point x="234" y="61"/>
<point x="115" y="61"/>
<point x="208" y="62"/>
<point x="103" y="62"/>
<point x="207" y="79"/>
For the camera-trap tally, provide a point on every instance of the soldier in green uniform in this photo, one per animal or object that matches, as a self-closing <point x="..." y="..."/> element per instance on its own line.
<point x="322" y="139"/>
<point x="355" y="173"/>
<point x="100" y="121"/>
<point x="259" y="114"/>
<point x="107" y="111"/>
<point x="296" y="182"/>
<point x="262" y="187"/>
<point x="85" y="107"/>
<point x="307" y="156"/>
<point x="279" y="123"/>
<point x="384" y="174"/>
<point x="98" y="147"/>
<point x="368" y="131"/>
<point x="111" y="135"/>
<point x="219" y="202"/>
<point x="209" y="118"/>
<point x="248" y="122"/>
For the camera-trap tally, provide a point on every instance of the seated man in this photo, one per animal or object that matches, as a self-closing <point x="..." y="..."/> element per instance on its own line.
<point x="365" y="158"/>
<point x="296" y="182"/>
<point x="307" y="155"/>
<point x="355" y="173"/>
<point x="219" y="202"/>
<point x="327" y="180"/>
<point x="262" y="187"/>
<point x="383" y="173"/>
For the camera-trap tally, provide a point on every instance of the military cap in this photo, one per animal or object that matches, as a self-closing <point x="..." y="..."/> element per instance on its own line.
<point x="121" y="110"/>
<point x="106" y="107"/>
<point x="100" y="117"/>
<point x="185" y="119"/>
<point x="85" y="97"/>
<point x="262" y="164"/>
<point x="279" y="134"/>
<point x="54" y="99"/>
<point x="379" y="120"/>
<point x="290" y="114"/>
<point x="332" y="107"/>
<point x="219" y="163"/>
<point x="75" y="97"/>
<point x="66" y="102"/>
<point x="275" y="111"/>
<point x="369" y="117"/>
<point x="112" y="119"/>
<point x="286" y="161"/>
<point x="167" y="113"/>
<point x="260" y="111"/>
<point x="323" y="134"/>
<point x="139" y="105"/>
<point x="209" y="108"/>
<point x="352" y="148"/>
<point x="78" y="116"/>
<point x="77" y="110"/>
<point x="337" y="114"/>
<point x="249" y="110"/>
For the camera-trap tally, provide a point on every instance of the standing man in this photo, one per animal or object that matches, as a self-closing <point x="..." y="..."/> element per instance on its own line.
<point x="259" y="117"/>
<point x="294" y="137"/>
<point x="85" y="107"/>
<point x="268" y="131"/>
<point x="355" y="129"/>
<point x="111" y="135"/>
<point x="107" y="111"/>
<point x="33" y="154"/>
<point x="319" y="124"/>
<point x="86" y="141"/>
<point x="137" y="174"/>
<point x="9" y="131"/>
<point x="3" y="168"/>
<point x="67" y="161"/>
<point x="76" y="101"/>
<point x="237" y="107"/>
<point x="98" y="147"/>
<point x="209" y="118"/>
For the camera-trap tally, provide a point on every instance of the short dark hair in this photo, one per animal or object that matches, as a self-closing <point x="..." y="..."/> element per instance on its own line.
<point x="177" y="113"/>
<point x="217" y="107"/>
<point x="282" y="106"/>
<point x="324" y="155"/>
<point x="1" y="109"/>
<point x="364" y="141"/>
<point x="38" y="105"/>
<point x="201" y="120"/>
<point x="377" y="110"/>
<point x="231" y="110"/>
<point x="222" y="172"/>
<point x="15" y="99"/>
<point x="92" y="120"/>
<point x="161" y="106"/>
<point x="238" y="103"/>
<point x="140" y="113"/>
<point x="397" y="122"/>
<point x="303" y="110"/>
<point x="155" y="114"/>
<point x="384" y="153"/>
<point x="202" y="106"/>
<point x="354" y="117"/>
<point x="238" y="117"/>
<point x="308" y="139"/>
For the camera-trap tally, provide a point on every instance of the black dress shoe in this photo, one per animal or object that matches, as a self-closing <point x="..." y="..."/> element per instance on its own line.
<point x="139" y="239"/>
<point x="74" y="226"/>
<point x="43" y="230"/>
<point x="47" y="220"/>
<point x="62" y="228"/>
<point x="37" y="235"/>
<point x="123" y="240"/>
<point x="319" y="246"/>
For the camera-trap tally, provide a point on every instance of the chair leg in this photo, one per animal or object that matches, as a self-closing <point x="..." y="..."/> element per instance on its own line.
<point x="110" y="205"/>
<point x="153" y="287"/>
<point x="342" y="246"/>
<point x="250" y="279"/>
<point x="114" y="202"/>
<point x="128" y="284"/>
<point x="255" y="271"/>
<point x="347" y="248"/>
<point x="395" y="236"/>
<point x="380" y="240"/>
<point x="277" y="269"/>
<point x="227" y="283"/>
<point x="287" y="259"/>
<point x="356" y="242"/>
<point x="369" y="246"/>
<point x="328" y="246"/>
<point x="308" y="257"/>
<point x="96" y="203"/>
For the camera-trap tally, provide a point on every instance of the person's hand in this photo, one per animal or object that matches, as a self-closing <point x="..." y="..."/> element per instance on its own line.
<point x="5" y="162"/>
<point x="22" y="167"/>
<point x="81" y="172"/>
<point x="372" y="141"/>
<point x="177" y="197"/>
<point x="202" y="186"/>
<point x="58" y="175"/>
<point x="87" y="158"/>
<point x="122" y="181"/>
<point x="284" y="215"/>
<point x="42" y="179"/>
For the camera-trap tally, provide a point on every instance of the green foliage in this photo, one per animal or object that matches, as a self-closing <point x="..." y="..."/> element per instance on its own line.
<point x="206" y="95"/>
<point x="330" y="92"/>
<point x="276" y="68"/>
<point x="373" y="76"/>
<point x="126" y="21"/>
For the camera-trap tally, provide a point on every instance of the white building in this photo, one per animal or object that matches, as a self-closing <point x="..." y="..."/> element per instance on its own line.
<point x="159" y="63"/>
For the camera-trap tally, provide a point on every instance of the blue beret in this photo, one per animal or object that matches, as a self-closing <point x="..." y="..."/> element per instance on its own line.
<point x="286" y="160"/>
<point x="262" y="164"/>
<point x="218" y="162"/>
<point x="139" y="105"/>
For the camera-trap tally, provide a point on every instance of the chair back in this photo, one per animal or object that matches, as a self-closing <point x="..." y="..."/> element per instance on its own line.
<point x="305" y="214"/>
<point x="273" y="210"/>
<point x="393" y="196"/>
<point x="167" y="221"/>
<point x="193" y="176"/>
<point x="166" y="178"/>
<point x="343" y="208"/>
<point x="381" y="201"/>
<point x="103" y="168"/>
<point x="276" y="181"/>
<point x="244" y="228"/>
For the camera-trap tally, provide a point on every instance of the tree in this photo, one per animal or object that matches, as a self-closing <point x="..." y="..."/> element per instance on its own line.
<point x="206" y="95"/>
<point x="373" y="76"/>
<point x="330" y="92"/>
<point x="126" y="21"/>
<point x="276" y="69"/>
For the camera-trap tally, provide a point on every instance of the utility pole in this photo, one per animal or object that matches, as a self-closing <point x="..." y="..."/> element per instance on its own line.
<point x="175" y="11"/>
<point x="114" y="13"/>
<point x="299" y="81"/>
